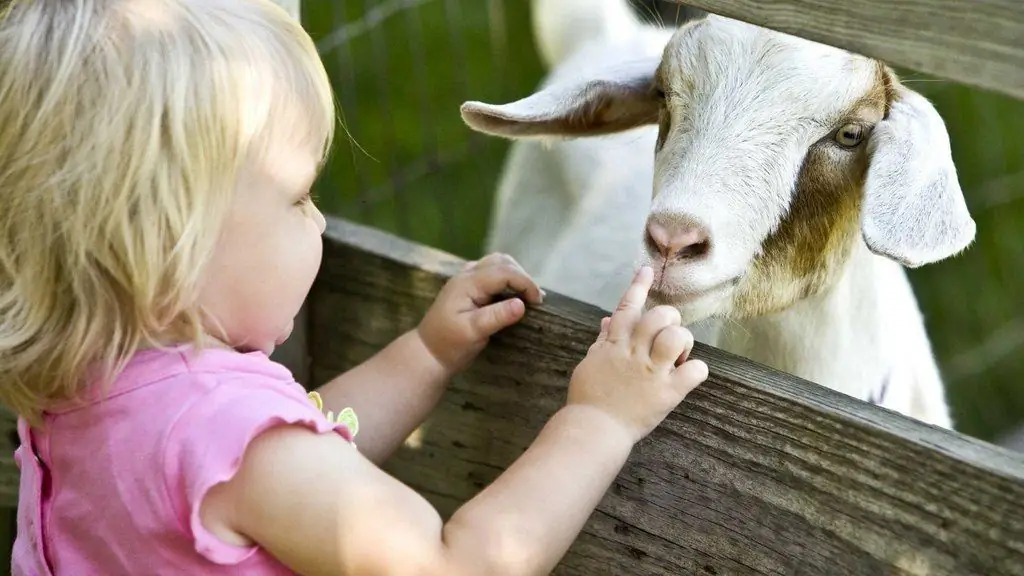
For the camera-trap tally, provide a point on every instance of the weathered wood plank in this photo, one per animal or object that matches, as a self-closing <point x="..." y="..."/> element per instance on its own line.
<point x="10" y="476"/>
<point x="755" y="473"/>
<point x="979" y="43"/>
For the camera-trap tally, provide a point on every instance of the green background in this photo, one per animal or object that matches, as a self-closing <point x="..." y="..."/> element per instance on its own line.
<point x="403" y="67"/>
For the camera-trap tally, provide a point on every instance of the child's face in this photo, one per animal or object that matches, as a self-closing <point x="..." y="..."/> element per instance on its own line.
<point x="268" y="253"/>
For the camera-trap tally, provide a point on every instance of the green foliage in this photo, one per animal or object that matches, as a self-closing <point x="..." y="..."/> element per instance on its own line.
<point x="975" y="321"/>
<point x="411" y="166"/>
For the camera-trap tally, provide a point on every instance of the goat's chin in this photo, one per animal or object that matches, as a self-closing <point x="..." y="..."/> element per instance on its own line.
<point x="693" y="306"/>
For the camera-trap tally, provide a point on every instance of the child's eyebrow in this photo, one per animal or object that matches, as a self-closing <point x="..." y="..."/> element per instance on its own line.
<point x="310" y="178"/>
<point x="303" y="181"/>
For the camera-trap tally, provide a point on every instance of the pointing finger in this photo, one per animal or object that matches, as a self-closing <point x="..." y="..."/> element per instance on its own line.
<point x="630" y="306"/>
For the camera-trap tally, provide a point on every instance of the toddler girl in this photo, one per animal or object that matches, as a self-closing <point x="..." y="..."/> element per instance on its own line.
<point x="157" y="236"/>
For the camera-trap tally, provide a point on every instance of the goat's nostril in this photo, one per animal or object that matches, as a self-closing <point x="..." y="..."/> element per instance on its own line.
<point x="695" y="250"/>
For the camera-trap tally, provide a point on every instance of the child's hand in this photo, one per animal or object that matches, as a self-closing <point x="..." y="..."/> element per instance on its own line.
<point x="459" y="323"/>
<point x="637" y="370"/>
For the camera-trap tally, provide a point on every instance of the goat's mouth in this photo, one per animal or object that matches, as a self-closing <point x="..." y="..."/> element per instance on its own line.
<point x="668" y="293"/>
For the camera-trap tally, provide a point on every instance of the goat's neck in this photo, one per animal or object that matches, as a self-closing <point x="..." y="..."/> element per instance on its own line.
<point x="832" y="338"/>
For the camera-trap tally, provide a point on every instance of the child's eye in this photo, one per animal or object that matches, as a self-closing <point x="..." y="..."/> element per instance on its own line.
<point x="307" y="198"/>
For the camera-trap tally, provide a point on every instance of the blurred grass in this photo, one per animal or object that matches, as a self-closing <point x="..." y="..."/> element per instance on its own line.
<point x="975" y="321"/>
<point x="417" y="171"/>
<point x="414" y="168"/>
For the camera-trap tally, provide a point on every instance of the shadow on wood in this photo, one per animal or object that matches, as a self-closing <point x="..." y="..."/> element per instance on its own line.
<point x="756" y="472"/>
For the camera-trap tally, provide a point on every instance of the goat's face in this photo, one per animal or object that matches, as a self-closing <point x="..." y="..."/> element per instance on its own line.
<point x="774" y="156"/>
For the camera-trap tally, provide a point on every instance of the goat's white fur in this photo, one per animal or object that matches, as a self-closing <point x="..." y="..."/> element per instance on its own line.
<point x="573" y="211"/>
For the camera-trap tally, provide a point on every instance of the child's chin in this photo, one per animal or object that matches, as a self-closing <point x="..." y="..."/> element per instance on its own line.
<point x="285" y="334"/>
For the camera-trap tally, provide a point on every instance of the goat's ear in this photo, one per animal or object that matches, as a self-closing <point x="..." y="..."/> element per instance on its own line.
<point x="617" y="98"/>
<point x="914" y="211"/>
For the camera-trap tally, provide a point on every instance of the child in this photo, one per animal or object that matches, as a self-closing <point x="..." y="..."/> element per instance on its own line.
<point x="157" y="239"/>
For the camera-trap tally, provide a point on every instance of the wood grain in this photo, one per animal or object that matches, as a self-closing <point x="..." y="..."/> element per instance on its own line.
<point x="756" y="472"/>
<point x="10" y="476"/>
<point x="979" y="43"/>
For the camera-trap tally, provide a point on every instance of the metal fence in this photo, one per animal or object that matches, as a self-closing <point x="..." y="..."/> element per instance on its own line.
<point x="408" y="165"/>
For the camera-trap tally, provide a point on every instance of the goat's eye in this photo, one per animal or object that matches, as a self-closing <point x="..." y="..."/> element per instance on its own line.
<point x="659" y="93"/>
<point x="850" y="135"/>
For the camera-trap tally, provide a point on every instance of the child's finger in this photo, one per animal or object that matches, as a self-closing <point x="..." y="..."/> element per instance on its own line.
<point x="492" y="280"/>
<point x="496" y="258"/>
<point x="651" y="326"/>
<point x="670" y="345"/>
<point x="604" y="329"/>
<point x="500" y="259"/>
<point x="689" y="375"/>
<point x="628" y="312"/>
<point x="494" y="317"/>
<point x="540" y="291"/>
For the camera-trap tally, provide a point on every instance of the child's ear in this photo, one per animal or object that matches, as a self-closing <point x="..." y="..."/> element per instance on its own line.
<point x="914" y="211"/>
<point x="617" y="98"/>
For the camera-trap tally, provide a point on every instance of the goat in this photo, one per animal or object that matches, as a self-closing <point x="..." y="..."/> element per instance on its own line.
<point x="778" y="187"/>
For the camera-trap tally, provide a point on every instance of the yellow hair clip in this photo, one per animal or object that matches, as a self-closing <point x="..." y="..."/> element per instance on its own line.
<point x="347" y="416"/>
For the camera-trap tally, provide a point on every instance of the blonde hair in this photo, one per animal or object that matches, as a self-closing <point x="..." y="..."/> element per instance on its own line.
<point x="123" y="125"/>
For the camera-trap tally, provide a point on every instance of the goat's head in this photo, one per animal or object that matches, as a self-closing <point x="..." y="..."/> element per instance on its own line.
<point x="774" y="156"/>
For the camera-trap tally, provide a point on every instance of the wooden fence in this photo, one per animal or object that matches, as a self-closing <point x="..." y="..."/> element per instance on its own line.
<point x="978" y="42"/>
<point x="757" y="472"/>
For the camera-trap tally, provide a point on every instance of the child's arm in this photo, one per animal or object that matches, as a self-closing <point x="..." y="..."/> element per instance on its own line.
<point x="319" y="507"/>
<point x="316" y="504"/>
<point x="394" y="390"/>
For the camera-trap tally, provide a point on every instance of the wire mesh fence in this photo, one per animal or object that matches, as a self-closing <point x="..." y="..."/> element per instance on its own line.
<point x="401" y="68"/>
<point x="408" y="165"/>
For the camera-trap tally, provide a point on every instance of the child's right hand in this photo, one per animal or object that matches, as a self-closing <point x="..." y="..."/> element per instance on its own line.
<point x="637" y="371"/>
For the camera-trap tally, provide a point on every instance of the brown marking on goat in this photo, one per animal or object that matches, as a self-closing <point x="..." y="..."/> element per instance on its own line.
<point x="660" y="87"/>
<point x="664" y="125"/>
<point x="891" y="85"/>
<point x="808" y="251"/>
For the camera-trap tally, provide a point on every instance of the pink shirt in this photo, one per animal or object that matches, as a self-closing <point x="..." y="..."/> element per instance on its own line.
<point x="115" y="485"/>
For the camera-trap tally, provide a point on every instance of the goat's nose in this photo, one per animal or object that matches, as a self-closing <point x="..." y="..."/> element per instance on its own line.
<point x="676" y="237"/>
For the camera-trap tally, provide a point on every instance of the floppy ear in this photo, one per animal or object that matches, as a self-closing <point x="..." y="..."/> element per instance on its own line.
<point x="914" y="211"/>
<point x="616" y="98"/>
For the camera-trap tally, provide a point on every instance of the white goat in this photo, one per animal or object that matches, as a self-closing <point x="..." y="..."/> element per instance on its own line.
<point x="792" y="181"/>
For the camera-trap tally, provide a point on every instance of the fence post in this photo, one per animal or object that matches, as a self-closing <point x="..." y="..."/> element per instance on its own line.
<point x="293" y="353"/>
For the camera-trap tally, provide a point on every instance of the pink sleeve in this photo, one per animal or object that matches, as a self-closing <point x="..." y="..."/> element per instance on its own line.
<point x="208" y="441"/>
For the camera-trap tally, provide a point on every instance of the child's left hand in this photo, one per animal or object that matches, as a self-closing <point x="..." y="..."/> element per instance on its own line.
<point x="462" y="318"/>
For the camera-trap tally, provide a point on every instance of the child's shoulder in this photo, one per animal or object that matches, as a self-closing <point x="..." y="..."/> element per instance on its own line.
<point x="207" y="369"/>
<point x="179" y="379"/>
<point x="180" y="393"/>
<point x="177" y="422"/>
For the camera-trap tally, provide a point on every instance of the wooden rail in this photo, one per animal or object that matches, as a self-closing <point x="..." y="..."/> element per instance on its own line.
<point x="9" y="474"/>
<point x="976" y="42"/>
<point x="756" y="473"/>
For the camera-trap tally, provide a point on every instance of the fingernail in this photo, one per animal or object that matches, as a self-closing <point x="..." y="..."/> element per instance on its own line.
<point x="517" y="306"/>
